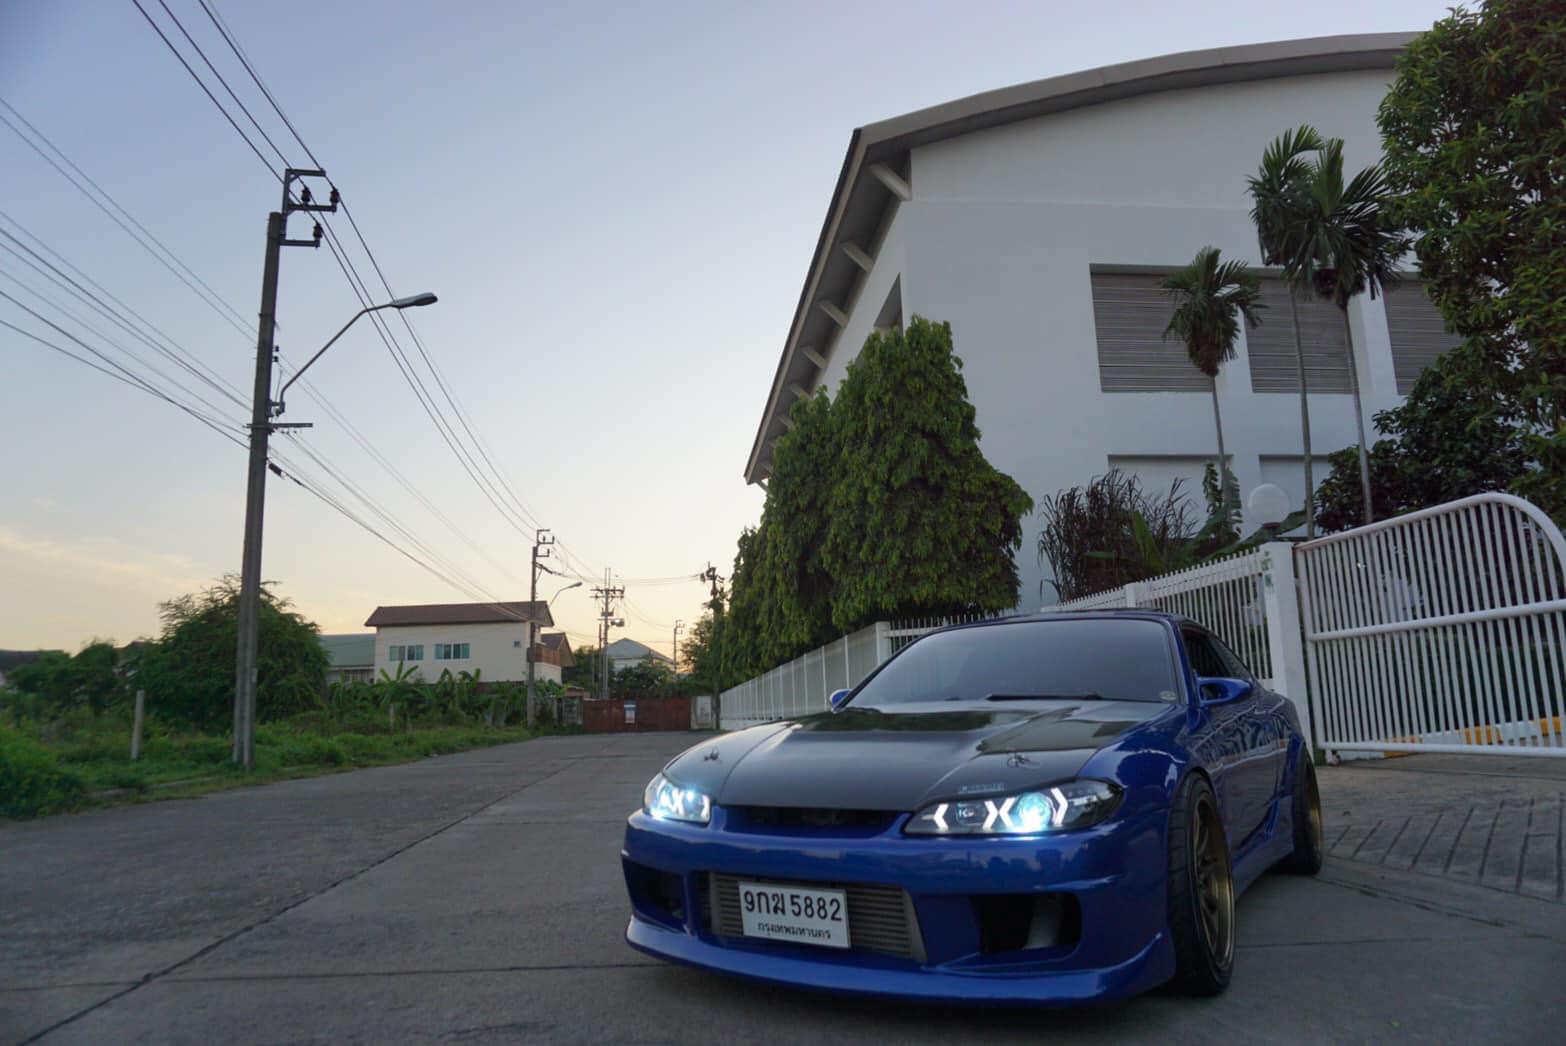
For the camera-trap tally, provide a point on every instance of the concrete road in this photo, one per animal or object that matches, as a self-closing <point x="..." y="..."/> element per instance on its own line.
<point x="477" y="898"/>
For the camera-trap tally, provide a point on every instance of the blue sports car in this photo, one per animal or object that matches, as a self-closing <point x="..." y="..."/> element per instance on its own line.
<point x="1050" y="809"/>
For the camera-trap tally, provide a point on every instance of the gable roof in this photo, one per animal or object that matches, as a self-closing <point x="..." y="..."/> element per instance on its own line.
<point x="461" y="614"/>
<point x="558" y="642"/>
<point x="629" y="649"/>
<point x="349" y="649"/>
<point x="878" y="154"/>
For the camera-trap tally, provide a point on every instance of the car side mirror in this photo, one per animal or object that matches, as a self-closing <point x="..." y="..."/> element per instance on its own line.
<point x="1221" y="690"/>
<point x="836" y="700"/>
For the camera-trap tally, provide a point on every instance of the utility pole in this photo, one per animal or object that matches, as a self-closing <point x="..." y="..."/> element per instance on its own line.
<point x="677" y="626"/>
<point x="261" y="426"/>
<point x="710" y="575"/>
<point x="541" y="541"/>
<point x="607" y="593"/>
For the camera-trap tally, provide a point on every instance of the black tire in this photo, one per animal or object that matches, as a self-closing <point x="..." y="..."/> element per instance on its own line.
<point x="1308" y="851"/>
<point x="1201" y="892"/>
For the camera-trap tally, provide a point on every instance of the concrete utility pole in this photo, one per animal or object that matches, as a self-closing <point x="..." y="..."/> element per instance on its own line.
<point x="607" y="593"/>
<point x="711" y="576"/>
<point x="677" y="626"/>
<point x="261" y="426"/>
<point x="541" y="543"/>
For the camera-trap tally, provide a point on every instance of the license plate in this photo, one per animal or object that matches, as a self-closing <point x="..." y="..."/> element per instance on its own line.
<point x="794" y="913"/>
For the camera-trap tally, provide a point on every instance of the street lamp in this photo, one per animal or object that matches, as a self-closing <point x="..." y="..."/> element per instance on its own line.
<point x="246" y="657"/>
<point x="1269" y="506"/>
<point x="415" y="301"/>
<point x="574" y="584"/>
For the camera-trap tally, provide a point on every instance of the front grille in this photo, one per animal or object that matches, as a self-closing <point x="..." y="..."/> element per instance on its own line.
<point x="880" y="918"/>
<point x="819" y="821"/>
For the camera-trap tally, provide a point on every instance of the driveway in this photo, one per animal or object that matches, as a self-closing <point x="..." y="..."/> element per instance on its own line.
<point x="477" y="898"/>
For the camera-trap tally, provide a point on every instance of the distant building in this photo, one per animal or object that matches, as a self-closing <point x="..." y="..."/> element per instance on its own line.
<point x="623" y="653"/>
<point x="350" y="657"/>
<point x="489" y="638"/>
<point x="555" y="649"/>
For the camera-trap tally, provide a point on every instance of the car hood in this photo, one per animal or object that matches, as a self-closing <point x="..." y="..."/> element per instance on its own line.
<point x="870" y="759"/>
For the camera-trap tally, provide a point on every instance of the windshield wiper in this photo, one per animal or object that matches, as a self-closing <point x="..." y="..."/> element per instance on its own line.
<point x="1087" y="696"/>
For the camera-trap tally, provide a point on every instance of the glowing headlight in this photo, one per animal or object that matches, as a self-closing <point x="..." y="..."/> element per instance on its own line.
<point x="667" y="801"/>
<point x="1058" y="808"/>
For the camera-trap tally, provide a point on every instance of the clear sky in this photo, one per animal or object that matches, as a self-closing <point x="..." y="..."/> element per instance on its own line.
<point x="615" y="202"/>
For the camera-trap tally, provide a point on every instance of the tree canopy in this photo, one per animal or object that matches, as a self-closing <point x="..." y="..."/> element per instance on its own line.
<point x="1475" y="147"/>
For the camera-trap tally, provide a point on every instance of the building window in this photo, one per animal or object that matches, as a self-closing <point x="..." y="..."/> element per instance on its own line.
<point x="1130" y="312"/>
<point x="451" y="651"/>
<point x="394" y="653"/>
<point x="413" y="652"/>
<point x="1270" y="346"/>
<point x="1417" y="331"/>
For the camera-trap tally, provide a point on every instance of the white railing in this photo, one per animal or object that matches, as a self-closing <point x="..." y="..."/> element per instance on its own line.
<point x="803" y="685"/>
<point x="1246" y="599"/>
<point x="1440" y="631"/>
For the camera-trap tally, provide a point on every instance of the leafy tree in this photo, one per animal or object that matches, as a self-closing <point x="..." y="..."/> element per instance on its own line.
<point x="1475" y="147"/>
<point x="585" y="671"/>
<point x="1210" y="296"/>
<point x="920" y="522"/>
<point x="1280" y="199"/>
<point x="1454" y="436"/>
<point x="645" y="679"/>
<point x="91" y="679"/>
<point x="1346" y="243"/>
<point x="189" y="673"/>
<point x="804" y="473"/>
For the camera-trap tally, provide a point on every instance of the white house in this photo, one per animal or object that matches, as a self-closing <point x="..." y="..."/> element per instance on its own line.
<point x="623" y="653"/>
<point x="490" y="638"/>
<point x="1037" y="219"/>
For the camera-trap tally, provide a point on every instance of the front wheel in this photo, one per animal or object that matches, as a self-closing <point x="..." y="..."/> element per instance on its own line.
<point x="1201" y="892"/>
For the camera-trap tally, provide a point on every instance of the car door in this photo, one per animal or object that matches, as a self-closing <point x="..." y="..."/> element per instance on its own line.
<point x="1229" y="744"/>
<point x="1266" y="729"/>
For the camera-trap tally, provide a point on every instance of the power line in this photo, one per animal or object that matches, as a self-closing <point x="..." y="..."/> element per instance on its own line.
<point x="222" y="28"/>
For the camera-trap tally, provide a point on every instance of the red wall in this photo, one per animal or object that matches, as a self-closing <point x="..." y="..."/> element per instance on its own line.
<point x="663" y="713"/>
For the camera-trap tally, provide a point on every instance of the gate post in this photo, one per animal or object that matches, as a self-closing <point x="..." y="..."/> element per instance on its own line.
<point x="1280" y="598"/>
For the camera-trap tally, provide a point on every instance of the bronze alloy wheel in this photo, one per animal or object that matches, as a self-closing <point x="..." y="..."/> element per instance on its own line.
<point x="1214" y="887"/>
<point x="1313" y="808"/>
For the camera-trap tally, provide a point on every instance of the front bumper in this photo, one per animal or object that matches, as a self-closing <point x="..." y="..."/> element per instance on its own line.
<point x="1114" y="874"/>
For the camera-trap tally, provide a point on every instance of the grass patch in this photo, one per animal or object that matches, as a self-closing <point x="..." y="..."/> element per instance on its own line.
<point x="58" y="766"/>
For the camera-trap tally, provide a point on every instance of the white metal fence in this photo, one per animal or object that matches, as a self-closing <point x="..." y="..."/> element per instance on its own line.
<point x="1443" y="630"/>
<point x="1246" y="599"/>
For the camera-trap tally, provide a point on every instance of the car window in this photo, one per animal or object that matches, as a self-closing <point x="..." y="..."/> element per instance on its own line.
<point x="1204" y="656"/>
<point x="1233" y="666"/>
<point x="1127" y="659"/>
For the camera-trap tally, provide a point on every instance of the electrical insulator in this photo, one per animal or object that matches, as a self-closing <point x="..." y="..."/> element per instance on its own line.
<point x="304" y="195"/>
<point x="334" y="199"/>
<point x="317" y="232"/>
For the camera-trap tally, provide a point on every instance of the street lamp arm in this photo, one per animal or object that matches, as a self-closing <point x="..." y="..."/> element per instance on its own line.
<point x="401" y="303"/>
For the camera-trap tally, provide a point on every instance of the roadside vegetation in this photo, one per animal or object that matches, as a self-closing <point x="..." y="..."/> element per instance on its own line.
<point x="66" y="720"/>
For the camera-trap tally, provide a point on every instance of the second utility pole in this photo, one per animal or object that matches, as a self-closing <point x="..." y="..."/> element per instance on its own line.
<point x="261" y="426"/>
<point x="541" y="540"/>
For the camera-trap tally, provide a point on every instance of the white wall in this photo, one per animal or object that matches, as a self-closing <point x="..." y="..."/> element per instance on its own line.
<point x="498" y="651"/>
<point x="999" y="237"/>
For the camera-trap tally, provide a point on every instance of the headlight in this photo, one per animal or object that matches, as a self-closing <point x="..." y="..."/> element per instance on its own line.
<point x="667" y="801"/>
<point x="1057" y="808"/>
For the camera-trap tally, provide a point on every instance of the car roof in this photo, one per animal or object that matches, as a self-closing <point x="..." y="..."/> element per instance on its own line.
<point x="1107" y="614"/>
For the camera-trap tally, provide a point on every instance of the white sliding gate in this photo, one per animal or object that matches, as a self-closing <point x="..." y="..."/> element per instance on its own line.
<point x="1440" y="631"/>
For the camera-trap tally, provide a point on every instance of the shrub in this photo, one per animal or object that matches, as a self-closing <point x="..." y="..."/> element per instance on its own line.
<point x="32" y="782"/>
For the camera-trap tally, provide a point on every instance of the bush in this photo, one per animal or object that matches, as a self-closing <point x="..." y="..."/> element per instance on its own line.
<point x="32" y="782"/>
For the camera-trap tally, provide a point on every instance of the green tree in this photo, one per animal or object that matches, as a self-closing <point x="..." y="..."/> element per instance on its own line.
<point x="584" y="671"/>
<point x="1280" y="197"/>
<point x="920" y="522"/>
<point x="645" y="679"/>
<point x="1210" y="295"/>
<point x="189" y="673"/>
<point x="1346" y="244"/>
<point x="1452" y="437"/>
<point x="1475" y="145"/>
<point x="92" y="679"/>
<point x="799" y="491"/>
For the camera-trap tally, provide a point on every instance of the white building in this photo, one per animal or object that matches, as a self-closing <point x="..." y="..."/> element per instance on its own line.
<point x="1036" y="220"/>
<point x="490" y="638"/>
<point x="623" y="653"/>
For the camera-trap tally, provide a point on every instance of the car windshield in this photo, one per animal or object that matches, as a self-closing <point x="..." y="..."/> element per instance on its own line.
<point x="1084" y="659"/>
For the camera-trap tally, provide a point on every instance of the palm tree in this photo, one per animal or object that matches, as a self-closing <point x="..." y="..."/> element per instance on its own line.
<point x="1345" y="245"/>
<point x="1207" y="294"/>
<point x="1280" y="194"/>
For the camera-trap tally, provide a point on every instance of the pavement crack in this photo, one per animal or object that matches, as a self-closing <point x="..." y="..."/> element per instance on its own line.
<point x="236" y="934"/>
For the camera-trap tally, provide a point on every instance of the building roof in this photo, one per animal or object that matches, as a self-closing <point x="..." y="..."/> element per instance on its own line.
<point x="461" y="614"/>
<point x="558" y="642"/>
<point x="349" y="649"/>
<point x="631" y="650"/>
<point x="875" y="172"/>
